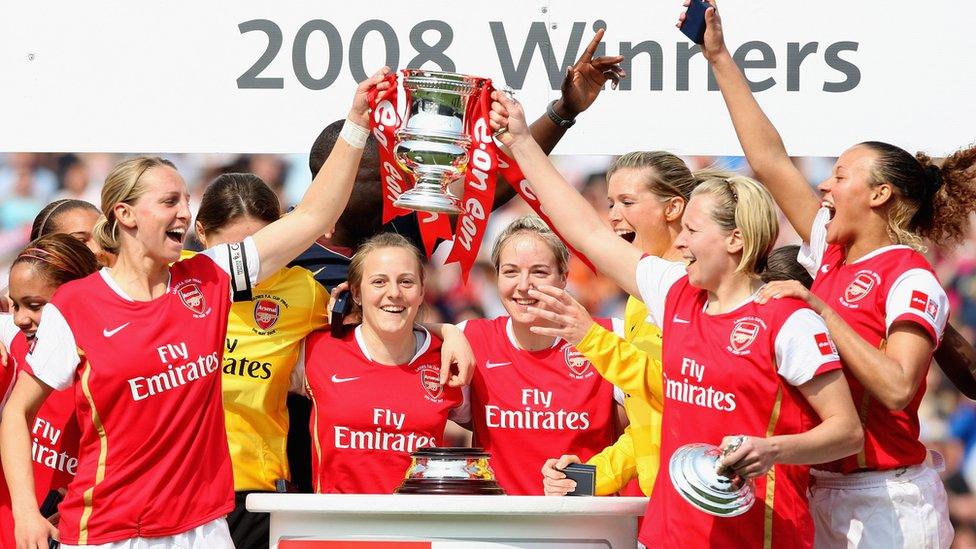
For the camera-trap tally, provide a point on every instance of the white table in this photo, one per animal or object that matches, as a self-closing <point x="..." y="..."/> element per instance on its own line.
<point x="532" y="522"/>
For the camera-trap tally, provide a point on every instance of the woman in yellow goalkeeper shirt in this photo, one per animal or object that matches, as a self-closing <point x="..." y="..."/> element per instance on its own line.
<point x="262" y="352"/>
<point x="647" y="193"/>
<point x="264" y="335"/>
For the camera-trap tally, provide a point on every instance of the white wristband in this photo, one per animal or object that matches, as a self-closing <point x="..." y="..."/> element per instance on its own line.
<point x="354" y="134"/>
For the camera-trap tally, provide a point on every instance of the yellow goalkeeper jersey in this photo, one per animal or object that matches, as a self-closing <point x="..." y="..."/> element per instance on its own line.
<point x="633" y="365"/>
<point x="264" y="339"/>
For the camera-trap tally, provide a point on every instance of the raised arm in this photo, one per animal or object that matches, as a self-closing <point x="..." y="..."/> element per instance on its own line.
<point x="569" y="212"/>
<point x="31" y="529"/>
<point x="582" y="84"/>
<point x="326" y="198"/>
<point x="760" y="141"/>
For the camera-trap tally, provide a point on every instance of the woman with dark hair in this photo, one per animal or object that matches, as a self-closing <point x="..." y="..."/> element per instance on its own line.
<point x="73" y="217"/>
<point x="882" y="302"/>
<point x="264" y="334"/>
<point x="37" y="272"/>
<point x="375" y="391"/>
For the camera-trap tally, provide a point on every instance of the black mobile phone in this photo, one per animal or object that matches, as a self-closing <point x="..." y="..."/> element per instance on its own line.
<point x="585" y="477"/>
<point x="48" y="508"/>
<point x="340" y="308"/>
<point x="694" y="23"/>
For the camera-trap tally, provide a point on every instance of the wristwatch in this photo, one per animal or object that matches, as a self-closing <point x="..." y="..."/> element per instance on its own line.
<point x="556" y="119"/>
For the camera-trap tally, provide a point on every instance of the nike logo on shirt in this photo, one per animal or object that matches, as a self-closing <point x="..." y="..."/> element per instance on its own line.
<point x="491" y="364"/>
<point x="110" y="333"/>
<point x="337" y="379"/>
<point x="677" y="320"/>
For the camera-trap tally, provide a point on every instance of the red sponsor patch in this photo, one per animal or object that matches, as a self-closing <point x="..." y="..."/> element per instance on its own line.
<point x="919" y="301"/>
<point x="859" y="287"/>
<point x="430" y="380"/>
<point x="743" y="334"/>
<point x="266" y="313"/>
<point x="575" y="361"/>
<point x="192" y="297"/>
<point x="824" y="344"/>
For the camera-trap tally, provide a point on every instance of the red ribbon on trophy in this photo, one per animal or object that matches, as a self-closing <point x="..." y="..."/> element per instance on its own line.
<point x="484" y="161"/>
<point x="384" y="121"/>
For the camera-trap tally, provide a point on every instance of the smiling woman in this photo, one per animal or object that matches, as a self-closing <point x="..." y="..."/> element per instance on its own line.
<point x="375" y="391"/>
<point x="153" y="318"/>
<point x="37" y="272"/>
<point x="765" y="366"/>
<point x="885" y="308"/>
<point x="534" y="394"/>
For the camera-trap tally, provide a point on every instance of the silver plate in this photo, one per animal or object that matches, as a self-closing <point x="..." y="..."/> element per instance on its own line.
<point x="693" y="475"/>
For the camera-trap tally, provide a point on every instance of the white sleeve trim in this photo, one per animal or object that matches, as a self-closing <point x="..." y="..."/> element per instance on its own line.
<point x="54" y="357"/>
<point x="655" y="277"/>
<point x="917" y="292"/>
<point x="811" y="253"/>
<point x="803" y="346"/>
<point x="619" y="395"/>
<point x="618" y="327"/>
<point x="240" y="261"/>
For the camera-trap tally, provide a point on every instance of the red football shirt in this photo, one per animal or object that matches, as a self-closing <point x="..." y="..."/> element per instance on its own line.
<point x="368" y="417"/>
<point x="528" y="406"/>
<point x="153" y="458"/>
<point x="54" y="444"/>
<point x="730" y="374"/>
<point x="891" y="284"/>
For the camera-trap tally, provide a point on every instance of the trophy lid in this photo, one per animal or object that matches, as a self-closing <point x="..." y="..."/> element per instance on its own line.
<point x="451" y="452"/>
<point x="451" y="82"/>
<point x="693" y="474"/>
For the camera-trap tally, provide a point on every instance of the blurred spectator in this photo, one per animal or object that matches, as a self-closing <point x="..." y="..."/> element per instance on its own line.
<point x="25" y="187"/>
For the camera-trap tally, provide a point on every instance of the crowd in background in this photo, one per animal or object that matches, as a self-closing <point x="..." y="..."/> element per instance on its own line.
<point x="29" y="181"/>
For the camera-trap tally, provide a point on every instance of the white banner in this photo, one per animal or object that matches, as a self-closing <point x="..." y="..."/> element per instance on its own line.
<point x="258" y="76"/>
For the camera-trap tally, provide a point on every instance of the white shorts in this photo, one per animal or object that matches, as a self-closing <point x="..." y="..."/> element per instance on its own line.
<point x="904" y="507"/>
<point x="212" y="535"/>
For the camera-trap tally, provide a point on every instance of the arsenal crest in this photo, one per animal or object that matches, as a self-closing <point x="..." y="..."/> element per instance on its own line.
<point x="430" y="380"/>
<point x="575" y="361"/>
<point x="266" y="313"/>
<point x="859" y="287"/>
<point x="743" y="334"/>
<point x="192" y="297"/>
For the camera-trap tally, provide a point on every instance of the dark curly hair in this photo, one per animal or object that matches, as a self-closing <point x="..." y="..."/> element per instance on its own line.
<point x="931" y="202"/>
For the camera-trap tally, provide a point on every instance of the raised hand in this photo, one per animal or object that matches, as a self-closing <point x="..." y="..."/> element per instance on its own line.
<point x="359" y="113"/>
<point x="571" y="319"/>
<point x="585" y="79"/>
<point x="780" y="289"/>
<point x="714" y="43"/>
<point x="507" y="119"/>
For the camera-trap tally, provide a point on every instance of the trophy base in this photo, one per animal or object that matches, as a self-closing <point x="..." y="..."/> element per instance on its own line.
<point x="428" y="201"/>
<point x="451" y="487"/>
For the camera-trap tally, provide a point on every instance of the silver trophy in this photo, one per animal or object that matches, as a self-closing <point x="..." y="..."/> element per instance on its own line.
<point x="450" y="471"/>
<point x="432" y="143"/>
<point x="695" y="475"/>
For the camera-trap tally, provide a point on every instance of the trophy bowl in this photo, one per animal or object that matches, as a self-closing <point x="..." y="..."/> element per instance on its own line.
<point x="450" y="471"/>
<point x="693" y="469"/>
<point x="432" y="144"/>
